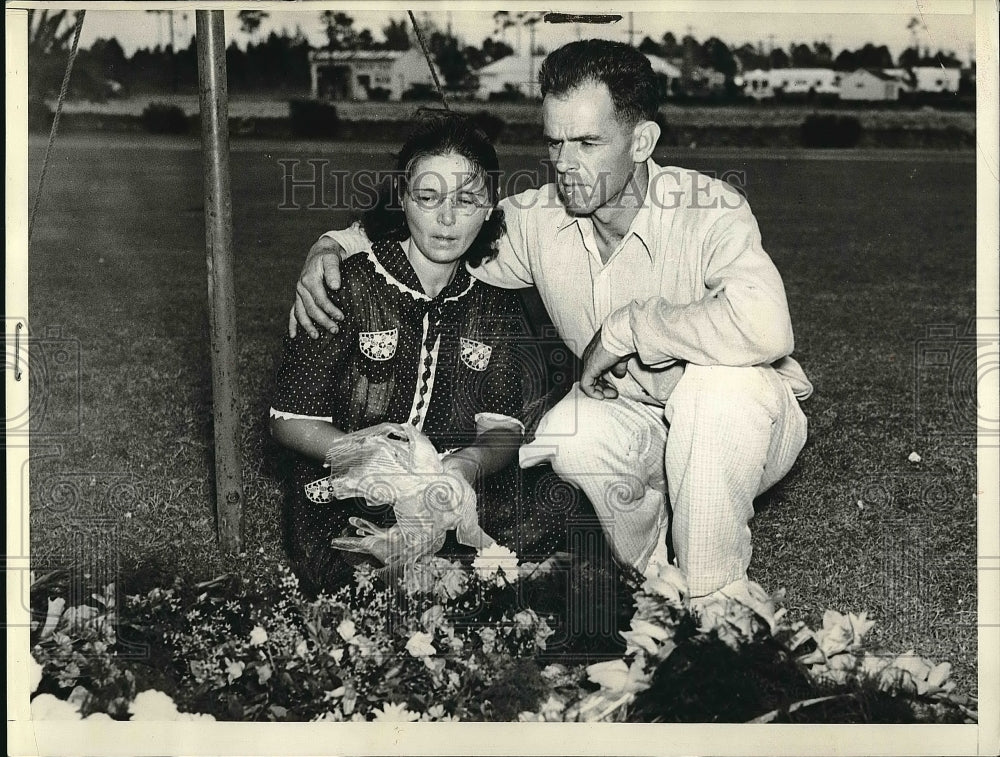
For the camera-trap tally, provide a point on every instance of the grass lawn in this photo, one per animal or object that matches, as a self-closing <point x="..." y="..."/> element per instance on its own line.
<point x="873" y="250"/>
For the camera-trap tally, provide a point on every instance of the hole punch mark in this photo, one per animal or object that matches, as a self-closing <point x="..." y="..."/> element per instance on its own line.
<point x="17" y="351"/>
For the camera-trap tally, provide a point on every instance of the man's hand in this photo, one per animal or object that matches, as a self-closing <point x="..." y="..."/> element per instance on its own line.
<point x="312" y="307"/>
<point x="597" y="361"/>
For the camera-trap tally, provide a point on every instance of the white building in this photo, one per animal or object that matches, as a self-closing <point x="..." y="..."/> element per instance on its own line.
<point x="518" y="72"/>
<point x="936" y="78"/>
<point x="763" y="85"/>
<point x="353" y="74"/>
<point x="521" y="73"/>
<point x="869" y="85"/>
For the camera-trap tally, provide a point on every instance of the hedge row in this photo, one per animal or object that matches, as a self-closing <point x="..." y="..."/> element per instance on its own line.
<point x="315" y="120"/>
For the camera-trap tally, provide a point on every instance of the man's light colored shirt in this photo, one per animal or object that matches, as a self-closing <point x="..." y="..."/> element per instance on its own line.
<point x="689" y="281"/>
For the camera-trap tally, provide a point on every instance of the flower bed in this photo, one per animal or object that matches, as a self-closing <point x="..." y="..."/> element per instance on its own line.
<point x="456" y="642"/>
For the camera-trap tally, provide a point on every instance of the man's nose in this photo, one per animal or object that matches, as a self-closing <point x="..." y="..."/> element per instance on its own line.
<point x="566" y="158"/>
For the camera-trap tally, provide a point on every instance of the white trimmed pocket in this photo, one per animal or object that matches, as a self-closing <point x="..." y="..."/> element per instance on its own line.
<point x="378" y="345"/>
<point x="475" y="354"/>
<point x="320" y="491"/>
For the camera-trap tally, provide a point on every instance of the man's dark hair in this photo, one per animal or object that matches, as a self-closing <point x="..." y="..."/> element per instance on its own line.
<point x="439" y="134"/>
<point x="625" y="71"/>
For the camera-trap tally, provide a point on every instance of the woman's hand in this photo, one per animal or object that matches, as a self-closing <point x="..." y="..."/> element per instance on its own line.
<point x="465" y="466"/>
<point x="312" y="307"/>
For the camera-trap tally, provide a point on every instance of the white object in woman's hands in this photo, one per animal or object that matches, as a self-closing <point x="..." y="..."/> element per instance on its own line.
<point x="396" y="464"/>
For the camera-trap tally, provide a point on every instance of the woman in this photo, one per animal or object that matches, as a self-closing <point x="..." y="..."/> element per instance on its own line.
<point x="423" y="343"/>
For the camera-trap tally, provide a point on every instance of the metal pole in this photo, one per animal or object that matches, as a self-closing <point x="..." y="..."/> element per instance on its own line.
<point x="214" y="100"/>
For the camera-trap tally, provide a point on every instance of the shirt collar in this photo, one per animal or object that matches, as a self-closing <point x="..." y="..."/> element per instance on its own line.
<point x="641" y="225"/>
<point x="396" y="268"/>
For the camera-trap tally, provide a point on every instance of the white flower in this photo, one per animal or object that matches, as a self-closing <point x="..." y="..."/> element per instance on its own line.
<point x="644" y="635"/>
<point x="346" y="629"/>
<point x="337" y="654"/>
<point x="525" y="619"/>
<point x="34" y="673"/>
<point x="420" y="645"/>
<point x="258" y="636"/>
<point x="153" y="705"/>
<point x="860" y="625"/>
<point x="194" y="717"/>
<point x="432" y="617"/>
<point x="489" y="637"/>
<point x="264" y="673"/>
<point x="650" y="629"/>
<point x="494" y="558"/>
<point x="914" y="457"/>
<point x="617" y="677"/>
<point x="53" y="615"/>
<point x="435" y="712"/>
<point x="395" y="713"/>
<point x="666" y="581"/>
<point x="48" y="707"/>
<point x="555" y="670"/>
<point x="937" y="680"/>
<point x="234" y="670"/>
<point x="552" y="708"/>
<point x="301" y="649"/>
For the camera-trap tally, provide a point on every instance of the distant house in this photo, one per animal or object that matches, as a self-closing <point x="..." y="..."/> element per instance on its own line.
<point x="513" y="73"/>
<point x="666" y="73"/>
<point x="869" y="84"/>
<point x="903" y="76"/>
<point x="366" y="74"/>
<point x="936" y="79"/>
<point x="518" y="72"/>
<point x="777" y="82"/>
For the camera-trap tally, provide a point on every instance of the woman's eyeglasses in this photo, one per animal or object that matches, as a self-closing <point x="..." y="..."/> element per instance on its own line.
<point x="463" y="203"/>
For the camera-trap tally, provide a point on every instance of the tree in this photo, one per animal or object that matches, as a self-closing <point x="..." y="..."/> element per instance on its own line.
<point x="110" y="58"/>
<point x="846" y="60"/>
<point x="909" y="58"/>
<point x="871" y="56"/>
<point x="494" y="50"/>
<point x="823" y="54"/>
<point x="364" y="40"/>
<point x="250" y="22"/>
<point x="448" y="57"/>
<point x="49" y="39"/>
<point x="802" y="56"/>
<point x="670" y="47"/>
<point x="778" y="58"/>
<point x="694" y="54"/>
<point x="339" y="30"/>
<point x="749" y="57"/>
<point x="720" y="57"/>
<point x="649" y="47"/>
<point x="397" y="35"/>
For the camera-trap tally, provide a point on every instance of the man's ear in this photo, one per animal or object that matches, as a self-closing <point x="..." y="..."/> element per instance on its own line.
<point x="645" y="135"/>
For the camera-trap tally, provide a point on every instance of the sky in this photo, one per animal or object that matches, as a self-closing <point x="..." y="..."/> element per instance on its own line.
<point x="947" y="24"/>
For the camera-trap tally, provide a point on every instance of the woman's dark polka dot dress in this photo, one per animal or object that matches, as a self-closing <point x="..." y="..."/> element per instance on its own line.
<point x="443" y="364"/>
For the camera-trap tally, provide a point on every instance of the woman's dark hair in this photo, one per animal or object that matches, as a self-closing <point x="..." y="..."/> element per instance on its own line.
<point x="439" y="134"/>
<point x="625" y="71"/>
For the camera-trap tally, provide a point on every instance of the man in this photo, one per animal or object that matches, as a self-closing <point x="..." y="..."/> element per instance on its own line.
<point x="655" y="276"/>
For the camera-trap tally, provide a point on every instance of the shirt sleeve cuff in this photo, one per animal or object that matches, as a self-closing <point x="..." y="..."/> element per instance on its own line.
<point x="616" y="334"/>
<point x="489" y="421"/>
<point x="353" y="239"/>
<point x="283" y="416"/>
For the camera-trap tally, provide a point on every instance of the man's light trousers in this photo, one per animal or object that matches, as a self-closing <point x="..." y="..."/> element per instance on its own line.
<point x="724" y="436"/>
